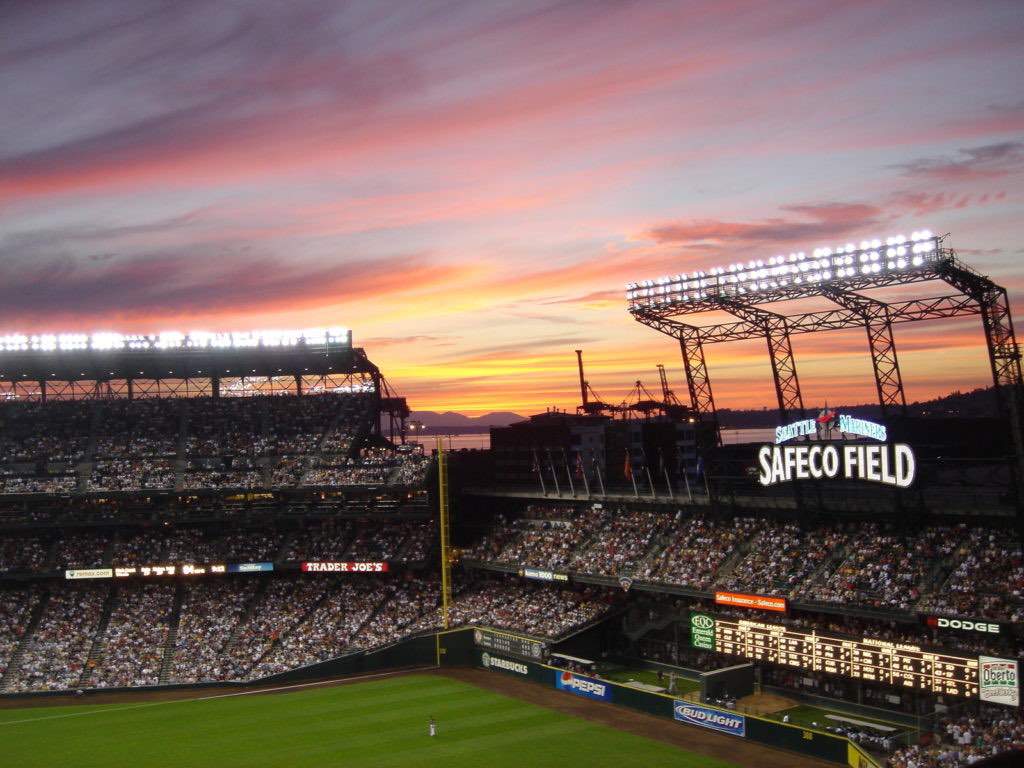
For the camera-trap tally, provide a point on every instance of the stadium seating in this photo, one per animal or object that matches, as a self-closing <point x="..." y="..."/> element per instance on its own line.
<point x="973" y="571"/>
<point x="203" y="443"/>
<point x="131" y="634"/>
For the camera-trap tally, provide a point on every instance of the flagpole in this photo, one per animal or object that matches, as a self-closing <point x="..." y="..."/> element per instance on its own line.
<point x="668" y="482"/>
<point x="540" y="473"/>
<point x="650" y="482"/>
<point x="686" y="479"/>
<point x="632" y="473"/>
<point x="583" y="473"/>
<point x="600" y="480"/>
<point x="554" y="475"/>
<point x="568" y="474"/>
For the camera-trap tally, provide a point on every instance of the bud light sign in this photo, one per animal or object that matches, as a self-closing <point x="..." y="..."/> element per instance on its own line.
<point x="583" y="686"/>
<point x="705" y="717"/>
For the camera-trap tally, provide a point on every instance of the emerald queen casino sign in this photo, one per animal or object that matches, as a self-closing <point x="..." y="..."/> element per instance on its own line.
<point x="880" y="462"/>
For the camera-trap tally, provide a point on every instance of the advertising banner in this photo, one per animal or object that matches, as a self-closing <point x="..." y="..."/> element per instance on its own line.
<point x="713" y="719"/>
<point x="820" y="458"/>
<point x="349" y="567"/>
<point x="89" y="573"/>
<point x="534" y="573"/>
<point x="249" y="567"/>
<point x="998" y="681"/>
<point x="702" y="631"/>
<point x="756" y="602"/>
<point x="496" y="662"/>
<point x="586" y="687"/>
<point x="971" y="626"/>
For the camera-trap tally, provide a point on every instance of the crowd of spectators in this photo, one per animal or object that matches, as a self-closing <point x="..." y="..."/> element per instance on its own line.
<point x="132" y="647"/>
<point x="959" y="570"/>
<point x="405" y="611"/>
<point x="210" y="613"/>
<point x="329" y="629"/>
<point x="541" y="542"/>
<point x="281" y="606"/>
<point x="54" y="656"/>
<point x="697" y="549"/>
<point x="44" y="432"/>
<point x="16" y="606"/>
<point x="965" y="740"/>
<point x="782" y="557"/>
<point x="40" y="483"/>
<point x="22" y="553"/>
<point x="885" y="569"/>
<point x="127" y="474"/>
<point x="988" y="579"/>
<point x="196" y="443"/>
<point x="533" y="609"/>
<point x="619" y="546"/>
<point x="82" y="550"/>
<point x="149" y="427"/>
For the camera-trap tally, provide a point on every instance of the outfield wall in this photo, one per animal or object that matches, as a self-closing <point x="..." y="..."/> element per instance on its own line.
<point x="814" y="743"/>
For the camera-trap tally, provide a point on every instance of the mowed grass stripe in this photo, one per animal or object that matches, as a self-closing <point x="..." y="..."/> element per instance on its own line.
<point x="212" y="695"/>
<point x="376" y="723"/>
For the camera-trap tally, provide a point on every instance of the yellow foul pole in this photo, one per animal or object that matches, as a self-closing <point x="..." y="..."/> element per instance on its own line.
<point x="442" y="505"/>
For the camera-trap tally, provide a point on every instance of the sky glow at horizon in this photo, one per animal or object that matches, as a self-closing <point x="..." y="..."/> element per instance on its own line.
<point x="470" y="187"/>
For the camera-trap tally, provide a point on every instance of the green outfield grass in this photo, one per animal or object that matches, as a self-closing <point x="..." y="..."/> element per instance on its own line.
<point x="806" y="716"/>
<point x="374" y="723"/>
<point x="683" y="685"/>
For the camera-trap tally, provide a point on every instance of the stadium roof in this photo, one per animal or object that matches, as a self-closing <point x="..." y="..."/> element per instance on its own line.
<point x="112" y="357"/>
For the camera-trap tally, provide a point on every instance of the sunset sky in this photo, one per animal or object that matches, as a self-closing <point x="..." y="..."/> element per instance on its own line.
<point x="469" y="186"/>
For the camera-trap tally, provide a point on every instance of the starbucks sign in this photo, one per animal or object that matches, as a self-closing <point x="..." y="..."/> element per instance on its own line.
<point x="702" y="631"/>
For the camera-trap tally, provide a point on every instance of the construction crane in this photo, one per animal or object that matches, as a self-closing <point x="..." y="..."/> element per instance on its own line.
<point x="641" y="401"/>
<point x="595" y="406"/>
<point x="673" y="407"/>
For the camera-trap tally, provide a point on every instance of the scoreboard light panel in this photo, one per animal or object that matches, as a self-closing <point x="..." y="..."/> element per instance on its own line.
<point x="874" y="661"/>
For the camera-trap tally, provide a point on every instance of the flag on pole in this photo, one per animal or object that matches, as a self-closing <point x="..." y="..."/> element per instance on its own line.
<point x="579" y="464"/>
<point x="627" y="468"/>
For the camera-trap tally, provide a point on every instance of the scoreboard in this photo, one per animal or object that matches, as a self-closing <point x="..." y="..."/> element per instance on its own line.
<point x="510" y="645"/>
<point x="875" y="661"/>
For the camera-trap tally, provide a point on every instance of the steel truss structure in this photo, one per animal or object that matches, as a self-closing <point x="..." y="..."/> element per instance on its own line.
<point x="975" y="295"/>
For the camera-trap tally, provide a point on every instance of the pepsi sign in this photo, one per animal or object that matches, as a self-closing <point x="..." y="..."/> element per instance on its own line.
<point x="586" y="687"/>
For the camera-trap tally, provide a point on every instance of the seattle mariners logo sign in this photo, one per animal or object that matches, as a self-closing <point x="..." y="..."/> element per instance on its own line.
<point x="826" y="421"/>
<point x="625" y="582"/>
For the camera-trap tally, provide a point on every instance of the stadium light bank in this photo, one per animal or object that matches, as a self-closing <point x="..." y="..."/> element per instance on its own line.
<point x="173" y="340"/>
<point x="823" y="266"/>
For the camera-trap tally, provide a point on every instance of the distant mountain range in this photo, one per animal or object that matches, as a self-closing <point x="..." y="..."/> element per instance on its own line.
<point x="449" y="419"/>
<point x="976" y="403"/>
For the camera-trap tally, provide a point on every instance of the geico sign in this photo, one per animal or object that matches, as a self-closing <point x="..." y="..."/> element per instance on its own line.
<point x="886" y="464"/>
<point x="964" y="624"/>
